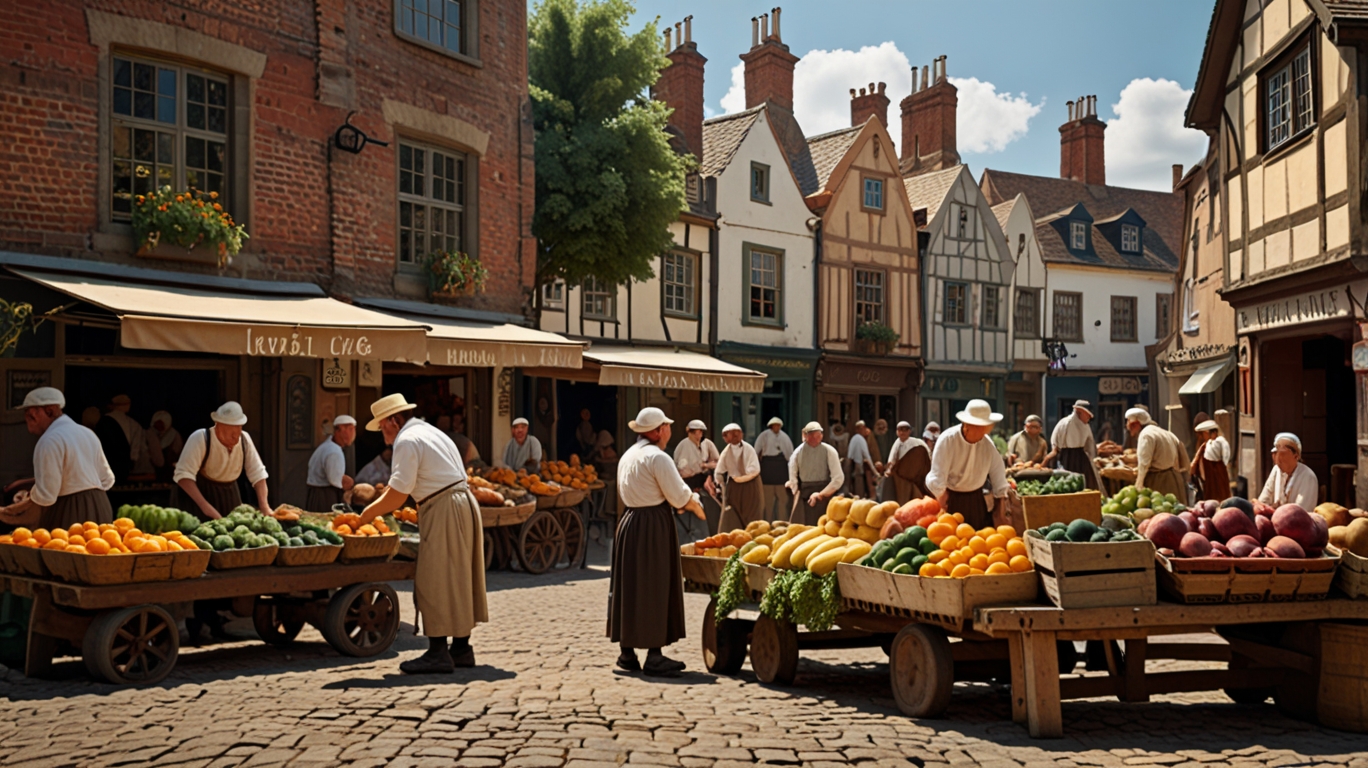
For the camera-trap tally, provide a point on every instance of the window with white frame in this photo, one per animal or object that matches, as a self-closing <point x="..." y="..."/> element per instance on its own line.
<point x="598" y="299"/>
<point x="440" y="24"/>
<point x="432" y="202"/>
<point x="1130" y="238"/>
<point x="764" y="275"/>
<point x="553" y="295"/>
<point x="1078" y="235"/>
<point x="869" y="296"/>
<point x="677" y="278"/>
<point x="1289" y="100"/>
<point x="956" y="308"/>
<point x="992" y="306"/>
<point x="1123" y="325"/>
<point x="1068" y="315"/>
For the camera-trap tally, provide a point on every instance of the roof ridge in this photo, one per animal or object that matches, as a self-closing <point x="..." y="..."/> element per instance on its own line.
<point x="734" y="115"/>
<point x="832" y="134"/>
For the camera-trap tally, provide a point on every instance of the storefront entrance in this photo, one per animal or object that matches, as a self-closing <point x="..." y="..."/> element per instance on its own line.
<point x="1307" y="388"/>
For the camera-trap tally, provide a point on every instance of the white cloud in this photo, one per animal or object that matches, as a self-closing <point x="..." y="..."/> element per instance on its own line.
<point x="1147" y="137"/>
<point x="987" y="120"/>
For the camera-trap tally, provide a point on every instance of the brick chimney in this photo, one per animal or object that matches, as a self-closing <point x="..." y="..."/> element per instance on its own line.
<point x="869" y="102"/>
<point x="1082" y="156"/>
<point x="680" y="85"/>
<point x="769" y="65"/>
<point x="928" y="122"/>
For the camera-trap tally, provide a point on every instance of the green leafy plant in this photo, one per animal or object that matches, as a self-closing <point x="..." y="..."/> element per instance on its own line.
<point x="877" y="332"/>
<point x="188" y="219"/>
<point x="449" y="272"/>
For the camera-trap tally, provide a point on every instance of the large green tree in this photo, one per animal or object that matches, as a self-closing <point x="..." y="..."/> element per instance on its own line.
<point x="608" y="184"/>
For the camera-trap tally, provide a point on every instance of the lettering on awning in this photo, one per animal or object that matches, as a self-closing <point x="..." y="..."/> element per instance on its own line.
<point x="674" y="379"/>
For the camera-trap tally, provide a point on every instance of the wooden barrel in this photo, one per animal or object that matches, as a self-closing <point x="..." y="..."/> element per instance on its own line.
<point x="1343" y="699"/>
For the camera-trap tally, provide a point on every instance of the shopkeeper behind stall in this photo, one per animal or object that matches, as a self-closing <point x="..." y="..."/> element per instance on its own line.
<point x="814" y="476"/>
<point x="1291" y="481"/>
<point x="523" y="451"/>
<point x="449" y="585"/>
<point x="964" y="461"/>
<point x="696" y="456"/>
<point x="738" y="471"/>
<point x="774" y="448"/>
<point x="377" y="472"/>
<point x="328" y="480"/>
<point x="1027" y="445"/>
<point x="1074" y="445"/>
<point x="214" y="459"/>
<point x="70" y="472"/>
<point x="909" y="460"/>
<point x="1160" y="456"/>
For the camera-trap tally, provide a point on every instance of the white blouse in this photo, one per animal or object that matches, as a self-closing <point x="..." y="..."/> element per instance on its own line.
<point x="1300" y="488"/>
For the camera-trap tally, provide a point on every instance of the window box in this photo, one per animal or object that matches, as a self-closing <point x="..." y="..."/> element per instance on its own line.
<point x="872" y="347"/>
<point x="200" y="253"/>
<point x="455" y="274"/>
<point x="185" y="226"/>
<point x="874" y="339"/>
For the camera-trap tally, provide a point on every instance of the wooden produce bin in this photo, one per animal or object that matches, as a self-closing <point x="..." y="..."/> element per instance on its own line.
<point x="1343" y="660"/>
<point x="1095" y="575"/>
<point x="948" y="603"/>
<point x="1197" y="580"/>
<point x="1352" y="576"/>
<point x="701" y="574"/>
<point x="1062" y="508"/>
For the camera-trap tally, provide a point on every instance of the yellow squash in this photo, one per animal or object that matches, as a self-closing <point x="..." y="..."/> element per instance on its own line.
<point x="800" y="555"/>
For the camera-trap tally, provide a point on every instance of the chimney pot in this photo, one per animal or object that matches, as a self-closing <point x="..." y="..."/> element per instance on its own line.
<point x="679" y="33"/>
<point x="764" y="27"/>
<point x="914" y="80"/>
<point x="777" y="38"/>
<point x="680" y="87"/>
<point x="870" y="102"/>
<point x="688" y="28"/>
<point x="1177" y="174"/>
<point x="883" y="87"/>
<point x="755" y="31"/>
<point x="929" y="125"/>
<point x="926" y="77"/>
<point x="852" y="93"/>
<point x="768" y="68"/>
<point x="668" y="47"/>
<point x="1082" y="145"/>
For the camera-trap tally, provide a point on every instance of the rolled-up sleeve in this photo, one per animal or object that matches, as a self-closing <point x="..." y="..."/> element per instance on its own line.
<point x="672" y="486"/>
<point x="191" y="458"/>
<point x="251" y="462"/>
<point x="47" y="472"/>
<point x="404" y="466"/>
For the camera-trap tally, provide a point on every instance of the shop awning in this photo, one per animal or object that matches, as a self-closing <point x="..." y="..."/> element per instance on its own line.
<point x="670" y="369"/>
<point x="1207" y="378"/>
<point x="467" y="341"/>
<point x="175" y="318"/>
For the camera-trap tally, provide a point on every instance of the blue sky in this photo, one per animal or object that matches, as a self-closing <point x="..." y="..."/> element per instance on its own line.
<point x="1016" y="62"/>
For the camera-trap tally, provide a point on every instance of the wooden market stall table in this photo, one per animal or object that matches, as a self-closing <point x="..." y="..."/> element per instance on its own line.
<point x="1292" y="668"/>
<point x="126" y="633"/>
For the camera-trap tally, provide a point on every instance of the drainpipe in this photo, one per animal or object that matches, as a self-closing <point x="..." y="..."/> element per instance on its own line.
<point x="710" y="190"/>
<point x="815" y="224"/>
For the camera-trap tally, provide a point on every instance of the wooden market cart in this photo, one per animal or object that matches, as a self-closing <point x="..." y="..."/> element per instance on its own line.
<point x="536" y="534"/>
<point x="127" y="633"/>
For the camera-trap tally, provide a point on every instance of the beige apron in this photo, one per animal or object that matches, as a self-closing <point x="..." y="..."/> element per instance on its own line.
<point x="449" y="585"/>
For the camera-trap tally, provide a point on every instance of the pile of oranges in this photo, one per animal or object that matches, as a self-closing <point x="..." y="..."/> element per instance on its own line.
<point x="118" y="538"/>
<point x="963" y="551"/>
<point x="349" y="524"/>
<point x="408" y="515"/>
<point x="572" y="473"/>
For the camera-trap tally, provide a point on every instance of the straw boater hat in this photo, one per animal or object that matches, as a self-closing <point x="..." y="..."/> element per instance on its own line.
<point x="775" y="420"/>
<point x="230" y="413"/>
<point x="812" y="426"/>
<point x="386" y="407"/>
<point x="649" y="419"/>
<point x="1207" y="426"/>
<point x="1084" y="406"/>
<point x="979" y="413"/>
<point x="698" y="424"/>
<point x="41" y="396"/>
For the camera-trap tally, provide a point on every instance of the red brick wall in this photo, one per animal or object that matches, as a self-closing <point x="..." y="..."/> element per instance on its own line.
<point x="769" y="74"/>
<point x="868" y="103"/>
<point x="1082" y="151"/>
<point x="680" y="87"/>
<point x="316" y="213"/>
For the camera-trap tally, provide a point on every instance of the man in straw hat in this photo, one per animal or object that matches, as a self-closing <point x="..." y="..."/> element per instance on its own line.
<point x="70" y="472"/>
<point x="774" y="448"/>
<point x="1160" y="456"/>
<point x="214" y="459"/>
<point x="964" y="461"/>
<point x="449" y="585"/>
<point x="909" y="459"/>
<point x="696" y="456"/>
<point x="1074" y="445"/>
<point x="815" y="476"/>
<point x="1210" y="465"/>
<point x="328" y="480"/>
<point x="523" y="451"/>
<point x="646" y="591"/>
<point x="738" y="471"/>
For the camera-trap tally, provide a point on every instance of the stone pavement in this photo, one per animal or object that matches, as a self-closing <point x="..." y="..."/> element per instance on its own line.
<point x="545" y="694"/>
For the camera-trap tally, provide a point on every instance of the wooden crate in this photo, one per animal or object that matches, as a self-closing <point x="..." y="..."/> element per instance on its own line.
<point x="701" y="574"/>
<point x="1062" y="508"/>
<point x="949" y="603"/>
<point x="1352" y="576"/>
<point x="24" y="561"/>
<point x="100" y="570"/>
<point x="1095" y="575"/>
<point x="1195" y="580"/>
<point x="243" y="558"/>
<point x="1342" y="695"/>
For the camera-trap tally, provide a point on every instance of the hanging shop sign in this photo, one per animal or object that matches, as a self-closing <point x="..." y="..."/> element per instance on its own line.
<point x="1118" y="385"/>
<point x="1309" y="307"/>
<point x="336" y="373"/>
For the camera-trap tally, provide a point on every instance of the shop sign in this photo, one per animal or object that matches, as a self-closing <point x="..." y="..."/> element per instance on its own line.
<point x="946" y="384"/>
<point x="1118" y="385"/>
<point x="23" y="382"/>
<point x="876" y="376"/>
<point x="1309" y="307"/>
<point x="1197" y="353"/>
<point x="306" y="343"/>
<point x="336" y="374"/>
<point x="485" y="355"/>
<point x="776" y="363"/>
<point x="368" y="373"/>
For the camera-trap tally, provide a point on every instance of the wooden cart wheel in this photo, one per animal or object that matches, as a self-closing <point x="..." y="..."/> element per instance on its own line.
<point x="573" y="527"/>
<point x="724" y="642"/>
<point x="540" y="540"/>
<point x="922" y="670"/>
<point x="362" y="620"/>
<point x="774" y="651"/>
<point x="503" y="544"/>
<point x="132" y="646"/>
<point x="489" y="553"/>
<point x="275" y="622"/>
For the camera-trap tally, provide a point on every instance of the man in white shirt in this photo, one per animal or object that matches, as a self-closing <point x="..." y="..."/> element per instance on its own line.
<point x="646" y="588"/>
<point x="696" y="456"/>
<point x="862" y="467"/>
<point x="738" y="471"/>
<point x="815" y="476"/>
<point x="377" y="470"/>
<point x="214" y="459"/>
<point x="964" y="461"/>
<point x="909" y="459"/>
<point x="449" y="584"/>
<point x="523" y="451"/>
<point x="328" y="480"/>
<point x="1073" y="444"/>
<point x="1160" y="456"/>
<point x="774" y="448"/>
<point x="70" y="472"/>
<point x="1291" y="481"/>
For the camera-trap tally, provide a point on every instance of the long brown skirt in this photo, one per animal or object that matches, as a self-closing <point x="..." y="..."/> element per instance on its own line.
<point x="909" y="475"/>
<point x="74" y="508"/>
<point x="322" y="498"/>
<point x="1076" y="460"/>
<point x="971" y="505"/>
<point x="223" y="497"/>
<point x="646" y="588"/>
<point x="802" y="513"/>
<point x="744" y="504"/>
<point x="1215" y="480"/>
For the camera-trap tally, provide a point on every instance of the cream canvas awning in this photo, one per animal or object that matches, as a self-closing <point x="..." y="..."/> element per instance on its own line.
<point x="1207" y="378"/>
<point x="175" y="318"/>
<point x="473" y="343"/>
<point x="671" y="369"/>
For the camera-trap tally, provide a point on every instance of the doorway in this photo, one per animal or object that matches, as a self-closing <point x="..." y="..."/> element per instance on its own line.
<point x="1307" y="384"/>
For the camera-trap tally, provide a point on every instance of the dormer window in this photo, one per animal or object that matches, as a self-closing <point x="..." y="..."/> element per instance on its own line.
<point x="1130" y="238"/>
<point x="1078" y="235"/>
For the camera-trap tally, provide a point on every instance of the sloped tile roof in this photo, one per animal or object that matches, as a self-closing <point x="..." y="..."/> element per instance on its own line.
<point x="1052" y="232"/>
<point x="827" y="150"/>
<point x="722" y="137"/>
<point x="928" y="190"/>
<point x="1003" y="212"/>
<point x="795" y="146"/>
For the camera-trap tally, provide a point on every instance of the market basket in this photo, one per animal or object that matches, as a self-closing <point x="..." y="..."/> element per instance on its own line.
<point x="134" y="568"/>
<point x="243" y="558"/>
<point x="570" y="497"/>
<point x="1352" y="576"/>
<point x="948" y="603"/>
<point x="24" y="561"/>
<point x="701" y="574"/>
<point x="547" y="502"/>
<point x="319" y="554"/>
<point x="360" y="548"/>
<point x="1124" y="474"/>
<point x="497" y="517"/>
<point x="1196" y="580"/>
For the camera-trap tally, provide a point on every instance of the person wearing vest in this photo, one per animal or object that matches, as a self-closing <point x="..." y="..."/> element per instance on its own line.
<point x="646" y="585"/>
<point x="1210" y="464"/>
<point x="964" y="461"/>
<point x="1027" y="445"/>
<point x="328" y="480"/>
<point x="214" y="459"/>
<point x="774" y="448"/>
<point x="908" y="462"/>
<point x="814" y="476"/>
<point x="738" y="471"/>
<point x="1160" y="456"/>
<point x="696" y="456"/>
<point x="70" y="472"/>
<point x="449" y="584"/>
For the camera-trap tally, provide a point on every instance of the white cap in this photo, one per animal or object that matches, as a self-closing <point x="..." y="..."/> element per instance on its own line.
<point x="229" y="413"/>
<point x="903" y="425"/>
<point x="37" y="398"/>
<point x="1138" y="415"/>
<point x="732" y="427"/>
<point x="1083" y="405"/>
<point x="1207" y="426"/>
<point x="698" y="424"/>
<point x="649" y="419"/>
<point x="812" y="426"/>
<point x="520" y="422"/>
<point x="775" y="420"/>
<point x="930" y="425"/>
<point x="343" y="420"/>
<point x="979" y="413"/>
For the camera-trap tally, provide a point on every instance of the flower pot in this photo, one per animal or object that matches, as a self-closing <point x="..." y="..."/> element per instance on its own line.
<point x="199" y="253"/>
<point x="872" y="347"/>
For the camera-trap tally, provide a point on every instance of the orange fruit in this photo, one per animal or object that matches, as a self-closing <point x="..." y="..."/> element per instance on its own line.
<point x="959" y="517"/>
<point x="78" y="540"/>
<point x="7" y="539"/>
<point x="123" y="524"/>
<point x="979" y="562"/>
<point x="996" y="541"/>
<point x="931" y="570"/>
<point x="950" y="543"/>
<point x="112" y="537"/>
<point x="42" y="536"/>
<point x="957" y="559"/>
<point x="90" y="524"/>
<point x="343" y="529"/>
<point x="98" y="547"/>
<point x="76" y="548"/>
<point x="1019" y="564"/>
<point x="947" y="519"/>
<point x="964" y="530"/>
<point x="75" y="530"/>
<point x="172" y="546"/>
<point x="986" y="532"/>
<point x="1007" y="530"/>
<point x="960" y="571"/>
<point x="367" y="530"/>
<point x="937" y="556"/>
<point x="999" y="556"/>
<point x="1016" y="547"/>
<point x="979" y="546"/>
<point x="22" y="535"/>
<point x="56" y="544"/>
<point x="31" y="544"/>
<point x="975" y="571"/>
<point x="998" y="568"/>
<point x="59" y="533"/>
<point x="938" y="531"/>
<point x="148" y="545"/>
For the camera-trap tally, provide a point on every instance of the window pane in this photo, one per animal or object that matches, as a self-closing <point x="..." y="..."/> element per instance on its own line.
<point x="194" y="152"/>
<point x="123" y="186"/>
<point x="145" y="145"/>
<point x="123" y="101"/>
<point x="123" y="72"/>
<point x="166" y="82"/>
<point x="166" y="148"/>
<point x="194" y="88"/>
<point x="1279" y="115"/>
<point x="143" y="75"/>
<point x="144" y="105"/>
<point x="1301" y="87"/>
<point x="218" y="120"/>
<point x="218" y="93"/>
<point x="122" y="145"/>
<point x="194" y="116"/>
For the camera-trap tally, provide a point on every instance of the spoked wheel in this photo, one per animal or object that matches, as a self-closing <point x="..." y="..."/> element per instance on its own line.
<point x="362" y="620"/>
<point x="540" y="540"/>
<point x="276" y="622"/>
<point x="489" y="554"/>
<point x="132" y="646"/>
<point x="724" y="642"/>
<point x="922" y="670"/>
<point x="573" y="527"/>
<point x="774" y="651"/>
